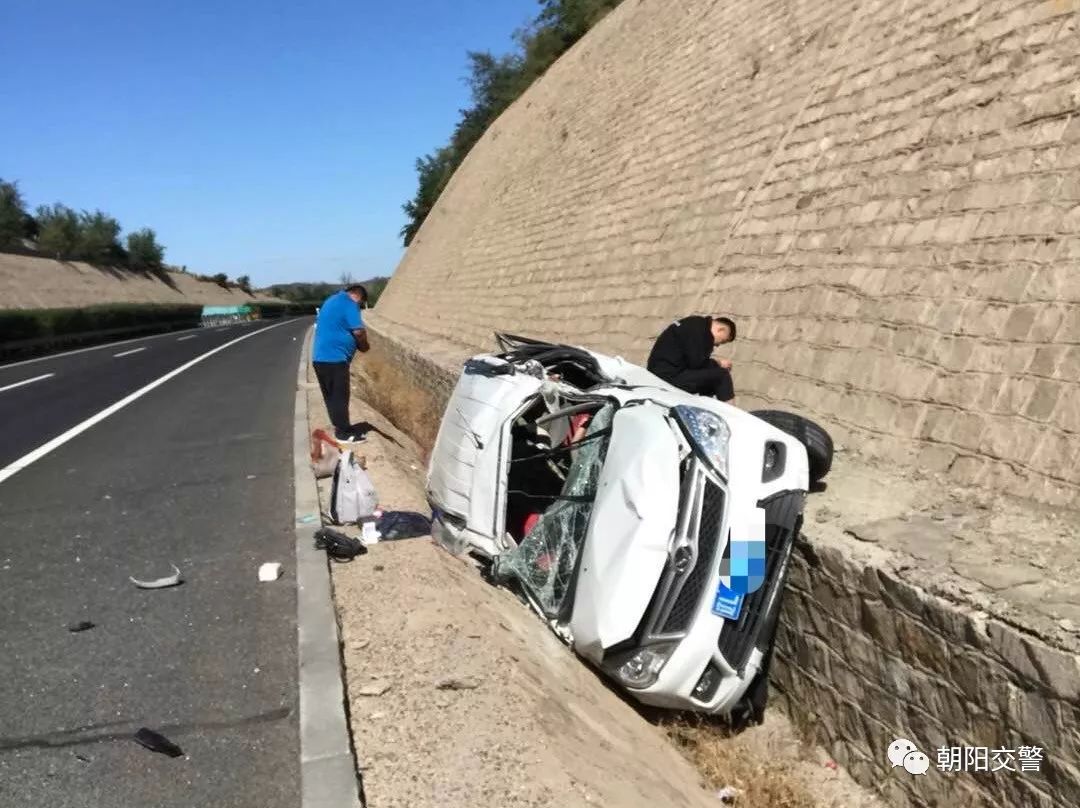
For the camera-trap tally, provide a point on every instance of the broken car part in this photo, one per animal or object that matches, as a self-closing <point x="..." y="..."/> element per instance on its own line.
<point x="156" y="742"/>
<point x="159" y="583"/>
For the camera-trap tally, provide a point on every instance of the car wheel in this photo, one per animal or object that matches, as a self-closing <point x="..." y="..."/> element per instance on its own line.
<point x="818" y="443"/>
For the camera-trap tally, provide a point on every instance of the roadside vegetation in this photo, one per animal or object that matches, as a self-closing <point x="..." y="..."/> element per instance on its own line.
<point x="316" y="293"/>
<point x="496" y="82"/>
<point x="57" y="231"/>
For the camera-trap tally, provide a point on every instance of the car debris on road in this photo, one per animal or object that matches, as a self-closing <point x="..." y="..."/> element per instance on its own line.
<point x="160" y="583"/>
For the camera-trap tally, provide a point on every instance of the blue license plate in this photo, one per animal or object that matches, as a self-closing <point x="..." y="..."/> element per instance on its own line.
<point x="727" y="603"/>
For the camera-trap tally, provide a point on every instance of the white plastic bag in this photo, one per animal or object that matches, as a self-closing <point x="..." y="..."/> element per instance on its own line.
<point x="353" y="496"/>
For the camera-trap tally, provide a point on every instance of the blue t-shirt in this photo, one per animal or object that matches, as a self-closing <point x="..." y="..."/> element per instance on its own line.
<point x="338" y="317"/>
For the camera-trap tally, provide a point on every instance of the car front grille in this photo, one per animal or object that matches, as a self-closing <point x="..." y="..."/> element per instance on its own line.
<point x="712" y="517"/>
<point x="783" y="513"/>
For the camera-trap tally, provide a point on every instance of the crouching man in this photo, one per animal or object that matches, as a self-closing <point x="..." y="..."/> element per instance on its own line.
<point x="682" y="356"/>
<point x="339" y="333"/>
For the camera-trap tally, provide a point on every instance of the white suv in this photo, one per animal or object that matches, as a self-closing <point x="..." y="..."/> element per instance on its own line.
<point x="622" y="508"/>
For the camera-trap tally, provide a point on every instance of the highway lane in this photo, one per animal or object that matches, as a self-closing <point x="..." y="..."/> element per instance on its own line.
<point x="197" y="472"/>
<point x="42" y="398"/>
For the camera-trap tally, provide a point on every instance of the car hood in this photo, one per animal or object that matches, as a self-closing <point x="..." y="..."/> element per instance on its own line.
<point x="630" y="532"/>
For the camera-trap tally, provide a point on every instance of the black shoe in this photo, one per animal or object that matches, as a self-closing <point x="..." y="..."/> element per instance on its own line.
<point x="345" y="436"/>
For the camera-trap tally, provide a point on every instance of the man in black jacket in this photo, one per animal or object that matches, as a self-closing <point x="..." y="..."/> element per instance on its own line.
<point x="682" y="356"/>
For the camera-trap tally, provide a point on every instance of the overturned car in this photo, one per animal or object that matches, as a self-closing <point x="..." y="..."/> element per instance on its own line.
<point x="650" y="528"/>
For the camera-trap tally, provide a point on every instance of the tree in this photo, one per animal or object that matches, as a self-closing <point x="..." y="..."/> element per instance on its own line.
<point x="221" y="279"/>
<point x="244" y="282"/>
<point x="59" y="231"/>
<point x="13" y="218"/>
<point x="496" y="82"/>
<point x="144" y="252"/>
<point x="99" y="239"/>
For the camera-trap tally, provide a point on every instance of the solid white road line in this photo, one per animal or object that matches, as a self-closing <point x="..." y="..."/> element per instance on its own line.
<point x="189" y="336"/>
<point x="27" y="381"/>
<point x="129" y="353"/>
<point x="78" y="429"/>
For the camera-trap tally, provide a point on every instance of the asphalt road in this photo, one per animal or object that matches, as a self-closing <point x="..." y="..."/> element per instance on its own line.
<point x="197" y="473"/>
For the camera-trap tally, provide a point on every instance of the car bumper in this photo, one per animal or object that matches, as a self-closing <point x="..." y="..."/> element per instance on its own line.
<point x="713" y="664"/>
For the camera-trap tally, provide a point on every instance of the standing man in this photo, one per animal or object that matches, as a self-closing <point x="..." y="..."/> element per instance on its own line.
<point x="682" y="356"/>
<point x="339" y="332"/>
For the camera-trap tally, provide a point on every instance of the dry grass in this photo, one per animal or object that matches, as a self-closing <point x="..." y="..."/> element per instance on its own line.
<point x="763" y="780"/>
<point x="382" y="385"/>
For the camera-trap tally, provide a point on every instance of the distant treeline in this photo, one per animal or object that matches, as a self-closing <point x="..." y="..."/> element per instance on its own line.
<point x="57" y="231"/>
<point x="496" y="82"/>
<point x="316" y="293"/>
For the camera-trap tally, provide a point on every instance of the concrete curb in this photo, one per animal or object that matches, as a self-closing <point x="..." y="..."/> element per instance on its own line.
<point x="328" y="771"/>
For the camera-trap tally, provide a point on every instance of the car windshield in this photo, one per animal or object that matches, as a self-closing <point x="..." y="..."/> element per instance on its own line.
<point x="545" y="562"/>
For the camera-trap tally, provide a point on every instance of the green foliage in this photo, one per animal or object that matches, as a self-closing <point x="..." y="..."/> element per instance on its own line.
<point x="316" y="293"/>
<point x="144" y="252"/>
<point x="13" y="218"/>
<point x="221" y="279"/>
<point x="244" y="282"/>
<point x="496" y="82"/>
<point x="99" y="239"/>
<point x="59" y="231"/>
<point x="66" y="326"/>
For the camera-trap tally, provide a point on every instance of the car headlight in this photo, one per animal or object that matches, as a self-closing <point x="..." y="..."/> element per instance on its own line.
<point x="640" y="669"/>
<point x="709" y="433"/>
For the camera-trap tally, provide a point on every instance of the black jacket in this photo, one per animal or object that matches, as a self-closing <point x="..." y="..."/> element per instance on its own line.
<point x="682" y="355"/>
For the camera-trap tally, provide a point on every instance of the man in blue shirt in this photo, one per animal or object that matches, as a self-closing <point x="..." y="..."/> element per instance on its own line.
<point x="339" y="332"/>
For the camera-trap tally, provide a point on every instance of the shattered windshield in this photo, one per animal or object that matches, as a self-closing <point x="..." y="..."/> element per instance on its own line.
<point x="545" y="562"/>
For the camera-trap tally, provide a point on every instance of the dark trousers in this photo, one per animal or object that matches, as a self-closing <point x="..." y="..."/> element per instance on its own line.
<point x="711" y="380"/>
<point x="334" y="382"/>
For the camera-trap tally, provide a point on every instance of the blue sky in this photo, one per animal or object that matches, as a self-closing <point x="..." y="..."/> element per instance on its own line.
<point x="275" y="139"/>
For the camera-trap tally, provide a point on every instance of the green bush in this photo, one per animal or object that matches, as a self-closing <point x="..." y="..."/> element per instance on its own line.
<point x="18" y="325"/>
<point x="13" y="218"/>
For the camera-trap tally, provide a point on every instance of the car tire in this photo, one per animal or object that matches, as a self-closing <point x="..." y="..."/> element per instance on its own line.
<point x="818" y="443"/>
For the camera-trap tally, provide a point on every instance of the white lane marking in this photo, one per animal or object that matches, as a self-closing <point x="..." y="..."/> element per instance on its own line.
<point x="189" y="336"/>
<point x="105" y="345"/>
<point x="27" y="381"/>
<point x="78" y="429"/>
<point x="93" y="348"/>
<point x="129" y="353"/>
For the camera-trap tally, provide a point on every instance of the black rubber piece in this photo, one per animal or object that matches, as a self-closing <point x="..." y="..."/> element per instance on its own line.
<point x="818" y="443"/>
<point x="156" y="742"/>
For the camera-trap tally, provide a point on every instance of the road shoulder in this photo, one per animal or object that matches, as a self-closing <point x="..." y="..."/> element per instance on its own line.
<point x="329" y="777"/>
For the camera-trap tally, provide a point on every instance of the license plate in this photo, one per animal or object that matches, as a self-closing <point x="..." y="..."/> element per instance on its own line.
<point x="727" y="603"/>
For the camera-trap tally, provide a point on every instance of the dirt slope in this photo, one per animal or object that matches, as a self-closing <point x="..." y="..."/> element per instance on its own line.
<point x="28" y="282"/>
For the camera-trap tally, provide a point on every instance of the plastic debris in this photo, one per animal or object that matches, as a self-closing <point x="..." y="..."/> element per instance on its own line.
<point x="727" y="795"/>
<point x="394" y="525"/>
<point x="457" y="683"/>
<point x="307" y="519"/>
<point x="82" y="625"/>
<point x="159" y="583"/>
<point x="370" y="533"/>
<point x="156" y="742"/>
<point x="270" y="571"/>
<point x="338" y="546"/>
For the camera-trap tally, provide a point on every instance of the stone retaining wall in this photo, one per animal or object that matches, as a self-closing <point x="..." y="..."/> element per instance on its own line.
<point x="885" y="195"/>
